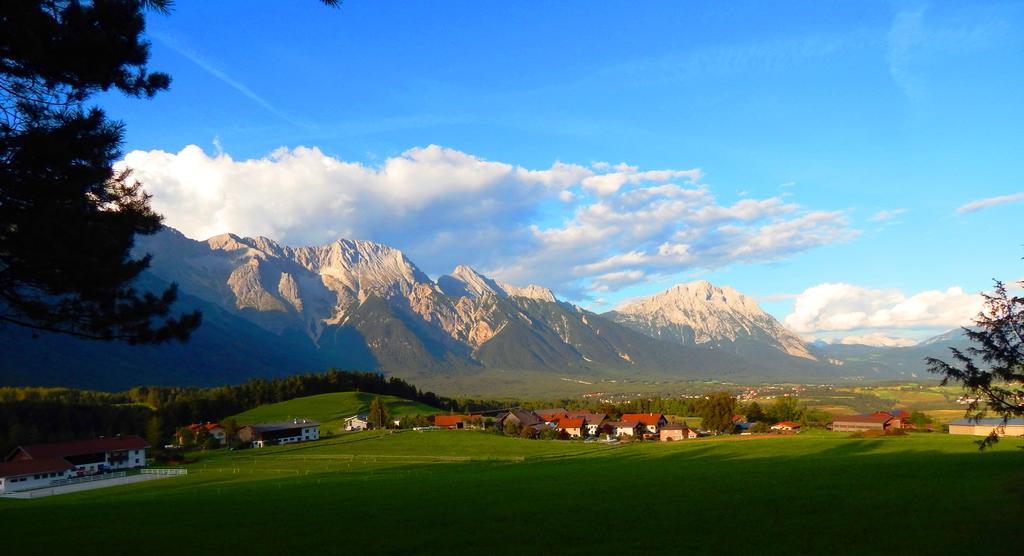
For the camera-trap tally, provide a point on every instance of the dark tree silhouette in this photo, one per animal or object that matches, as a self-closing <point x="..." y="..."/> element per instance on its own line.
<point x="67" y="220"/>
<point x="994" y="370"/>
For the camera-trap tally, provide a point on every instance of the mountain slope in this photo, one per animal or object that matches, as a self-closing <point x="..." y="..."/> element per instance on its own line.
<point x="271" y="309"/>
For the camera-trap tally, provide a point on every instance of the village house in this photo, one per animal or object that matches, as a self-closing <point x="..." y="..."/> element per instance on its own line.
<point x="594" y="421"/>
<point x="627" y="428"/>
<point x="214" y="429"/>
<point x="861" y="423"/>
<point x="551" y="415"/>
<point x="36" y="465"/>
<point x="676" y="431"/>
<point x="272" y="434"/>
<point x="521" y="417"/>
<point x="357" y="423"/>
<point x="786" y="426"/>
<point x="574" y="427"/>
<point x="652" y="422"/>
<point x="985" y="427"/>
<point x="457" y="421"/>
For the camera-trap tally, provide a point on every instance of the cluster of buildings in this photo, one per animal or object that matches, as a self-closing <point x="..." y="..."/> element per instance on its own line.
<point x="577" y="424"/>
<point x="43" y="465"/>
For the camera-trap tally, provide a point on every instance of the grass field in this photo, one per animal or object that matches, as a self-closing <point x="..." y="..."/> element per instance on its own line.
<point x="330" y="409"/>
<point x="475" y="493"/>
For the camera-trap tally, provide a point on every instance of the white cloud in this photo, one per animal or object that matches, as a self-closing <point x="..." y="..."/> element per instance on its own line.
<point x="877" y="339"/>
<point x="883" y="215"/>
<point x="846" y="307"/>
<point x="989" y="202"/>
<point x="445" y="207"/>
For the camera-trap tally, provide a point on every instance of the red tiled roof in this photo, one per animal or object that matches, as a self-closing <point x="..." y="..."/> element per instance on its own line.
<point x="79" y="447"/>
<point x="207" y="426"/>
<point x="895" y="414"/>
<point x="862" y="418"/>
<point x="570" y="423"/>
<point x="790" y="424"/>
<point x="645" y="418"/>
<point x="449" y="420"/>
<point x="30" y="466"/>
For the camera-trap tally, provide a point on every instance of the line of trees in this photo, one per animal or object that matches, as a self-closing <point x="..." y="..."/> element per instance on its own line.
<point x="31" y="415"/>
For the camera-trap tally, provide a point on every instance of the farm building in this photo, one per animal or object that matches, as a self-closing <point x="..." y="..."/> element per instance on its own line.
<point x="88" y="457"/>
<point x="457" y="421"/>
<point x="575" y="428"/>
<point x="272" y="434"/>
<point x="899" y="418"/>
<point x="786" y="426"/>
<point x="21" y="475"/>
<point x="676" y="431"/>
<point x="860" y="423"/>
<point x="652" y="422"/>
<point x="521" y="417"/>
<point x="985" y="427"/>
<point x="357" y="423"/>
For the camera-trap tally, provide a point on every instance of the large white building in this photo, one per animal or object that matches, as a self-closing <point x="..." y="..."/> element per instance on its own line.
<point x="39" y="465"/>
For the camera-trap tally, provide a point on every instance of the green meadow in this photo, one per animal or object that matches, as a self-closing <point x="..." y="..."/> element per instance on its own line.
<point x="330" y="409"/>
<point x="471" y="492"/>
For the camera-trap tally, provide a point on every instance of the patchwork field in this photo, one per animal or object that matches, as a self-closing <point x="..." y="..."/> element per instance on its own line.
<point x="471" y="492"/>
<point x="330" y="409"/>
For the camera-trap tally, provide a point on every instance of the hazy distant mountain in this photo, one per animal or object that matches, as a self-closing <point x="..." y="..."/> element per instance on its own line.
<point x="271" y="309"/>
<point x="886" y="361"/>
<point x="699" y="313"/>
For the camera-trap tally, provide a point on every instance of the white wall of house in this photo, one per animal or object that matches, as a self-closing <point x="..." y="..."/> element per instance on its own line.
<point x="627" y="431"/>
<point x="18" y="483"/>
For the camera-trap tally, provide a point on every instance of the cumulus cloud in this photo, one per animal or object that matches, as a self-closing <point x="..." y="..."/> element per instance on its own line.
<point x="621" y="225"/>
<point x="846" y="307"/>
<point x="989" y="202"/>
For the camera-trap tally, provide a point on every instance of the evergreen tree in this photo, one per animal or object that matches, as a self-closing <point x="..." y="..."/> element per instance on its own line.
<point x="155" y="432"/>
<point x="378" y="417"/>
<point x="993" y="369"/>
<point x="716" y="412"/>
<point x="68" y="221"/>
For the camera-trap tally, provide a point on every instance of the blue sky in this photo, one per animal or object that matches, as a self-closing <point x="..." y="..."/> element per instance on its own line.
<point x="817" y="115"/>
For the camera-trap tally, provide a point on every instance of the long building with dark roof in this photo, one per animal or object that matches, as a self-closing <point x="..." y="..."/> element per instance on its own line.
<point x="39" y="465"/>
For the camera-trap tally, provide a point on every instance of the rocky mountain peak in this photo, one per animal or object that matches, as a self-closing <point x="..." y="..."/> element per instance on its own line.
<point x="700" y="312"/>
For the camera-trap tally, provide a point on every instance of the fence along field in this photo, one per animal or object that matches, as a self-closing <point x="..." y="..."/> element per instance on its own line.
<point x="811" y="493"/>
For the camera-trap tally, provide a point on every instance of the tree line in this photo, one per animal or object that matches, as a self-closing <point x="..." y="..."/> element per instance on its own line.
<point x="31" y="415"/>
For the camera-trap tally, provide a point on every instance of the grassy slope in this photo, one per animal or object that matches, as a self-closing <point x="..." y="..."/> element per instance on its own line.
<point x="469" y="492"/>
<point x="330" y="409"/>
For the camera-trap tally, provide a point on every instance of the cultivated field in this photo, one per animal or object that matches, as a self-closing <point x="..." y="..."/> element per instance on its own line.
<point x="476" y="493"/>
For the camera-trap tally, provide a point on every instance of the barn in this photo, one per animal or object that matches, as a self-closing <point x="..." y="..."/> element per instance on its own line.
<point x="272" y="434"/>
<point x="985" y="427"/>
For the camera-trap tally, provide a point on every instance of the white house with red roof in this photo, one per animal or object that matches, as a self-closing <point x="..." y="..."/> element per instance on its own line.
<point x="37" y="465"/>
<point x="652" y="422"/>
<point x="574" y="427"/>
